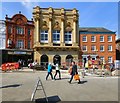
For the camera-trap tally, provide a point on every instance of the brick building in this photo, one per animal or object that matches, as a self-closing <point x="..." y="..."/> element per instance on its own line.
<point x="19" y="38"/>
<point x="98" y="41"/>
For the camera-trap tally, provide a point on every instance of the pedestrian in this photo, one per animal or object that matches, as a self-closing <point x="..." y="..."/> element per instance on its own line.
<point x="49" y="71"/>
<point x="89" y="63"/>
<point x="74" y="72"/>
<point x="57" y="67"/>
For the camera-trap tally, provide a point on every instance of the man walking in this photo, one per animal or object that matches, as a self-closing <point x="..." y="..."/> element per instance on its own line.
<point x="74" y="72"/>
<point x="49" y="71"/>
<point x="57" y="67"/>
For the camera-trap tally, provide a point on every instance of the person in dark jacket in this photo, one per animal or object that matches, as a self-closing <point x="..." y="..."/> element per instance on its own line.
<point x="74" y="72"/>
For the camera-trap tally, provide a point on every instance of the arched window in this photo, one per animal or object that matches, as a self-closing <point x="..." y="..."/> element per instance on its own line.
<point x="57" y="59"/>
<point x="44" y="60"/>
<point x="69" y="59"/>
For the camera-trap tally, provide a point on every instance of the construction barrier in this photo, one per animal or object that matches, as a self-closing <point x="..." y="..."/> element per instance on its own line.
<point x="10" y="66"/>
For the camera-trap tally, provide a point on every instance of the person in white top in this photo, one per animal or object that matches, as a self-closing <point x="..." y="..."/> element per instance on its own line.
<point x="57" y="67"/>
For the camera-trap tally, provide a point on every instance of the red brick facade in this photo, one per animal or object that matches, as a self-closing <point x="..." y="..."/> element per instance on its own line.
<point x="19" y="32"/>
<point x="106" y="53"/>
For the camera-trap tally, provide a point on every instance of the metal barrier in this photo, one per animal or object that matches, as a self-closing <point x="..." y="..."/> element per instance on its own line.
<point x="38" y="84"/>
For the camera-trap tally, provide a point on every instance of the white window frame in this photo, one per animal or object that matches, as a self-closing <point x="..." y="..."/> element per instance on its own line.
<point x="20" y="44"/>
<point x="108" y="38"/>
<point x="68" y="34"/>
<point x="110" y="47"/>
<point x="82" y="38"/>
<point x="102" y="58"/>
<point x="85" y="47"/>
<point x="43" y="32"/>
<point x="100" y="38"/>
<point x="56" y="33"/>
<point x="94" y="48"/>
<point x="20" y="30"/>
<point x="110" y="59"/>
<point x="103" y="48"/>
<point x="94" y="38"/>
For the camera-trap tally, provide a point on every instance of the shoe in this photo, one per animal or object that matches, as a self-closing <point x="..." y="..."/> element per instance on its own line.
<point x="69" y="82"/>
<point x="79" y="82"/>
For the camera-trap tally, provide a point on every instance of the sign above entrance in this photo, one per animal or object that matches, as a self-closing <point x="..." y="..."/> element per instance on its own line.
<point x="19" y="52"/>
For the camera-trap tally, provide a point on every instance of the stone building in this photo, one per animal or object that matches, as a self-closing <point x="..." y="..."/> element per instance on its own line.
<point x="56" y="34"/>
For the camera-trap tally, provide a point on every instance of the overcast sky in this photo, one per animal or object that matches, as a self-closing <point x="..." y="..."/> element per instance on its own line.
<point x="91" y="14"/>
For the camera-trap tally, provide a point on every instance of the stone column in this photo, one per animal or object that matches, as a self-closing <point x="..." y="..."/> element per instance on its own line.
<point x="50" y="32"/>
<point x="75" y="31"/>
<point x="62" y="34"/>
<point x="75" y="27"/>
<point x="37" y="31"/>
<point x="62" y="27"/>
<point x="50" y="26"/>
<point x="36" y="16"/>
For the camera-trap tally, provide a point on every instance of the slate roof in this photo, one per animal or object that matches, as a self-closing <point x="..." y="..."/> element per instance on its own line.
<point x="94" y="29"/>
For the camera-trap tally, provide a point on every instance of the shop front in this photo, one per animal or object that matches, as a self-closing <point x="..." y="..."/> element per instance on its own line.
<point x="13" y="55"/>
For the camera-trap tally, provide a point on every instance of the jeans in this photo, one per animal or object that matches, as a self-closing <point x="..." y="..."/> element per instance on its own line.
<point x="49" y="73"/>
<point x="57" y="71"/>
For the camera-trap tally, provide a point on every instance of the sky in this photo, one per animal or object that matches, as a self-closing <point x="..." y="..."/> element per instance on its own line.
<point x="91" y="14"/>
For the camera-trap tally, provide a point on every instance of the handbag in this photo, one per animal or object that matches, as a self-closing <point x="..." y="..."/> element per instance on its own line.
<point x="70" y="71"/>
<point x="76" y="77"/>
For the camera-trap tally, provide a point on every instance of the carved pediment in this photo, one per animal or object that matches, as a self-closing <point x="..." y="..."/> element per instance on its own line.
<point x="56" y="26"/>
<point x="19" y="21"/>
<point x="44" y="25"/>
<point x="68" y="27"/>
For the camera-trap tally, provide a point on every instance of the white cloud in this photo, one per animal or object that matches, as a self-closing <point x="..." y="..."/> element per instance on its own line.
<point x="29" y="4"/>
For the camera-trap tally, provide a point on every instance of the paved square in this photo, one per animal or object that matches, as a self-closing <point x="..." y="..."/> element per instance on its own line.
<point x="18" y="86"/>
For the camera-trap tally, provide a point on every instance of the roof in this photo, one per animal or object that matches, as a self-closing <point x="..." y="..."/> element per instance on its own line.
<point x="94" y="29"/>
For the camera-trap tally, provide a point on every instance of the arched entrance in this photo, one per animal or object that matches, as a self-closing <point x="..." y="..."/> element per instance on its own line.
<point x="69" y="59"/>
<point x="57" y="59"/>
<point x="44" y="60"/>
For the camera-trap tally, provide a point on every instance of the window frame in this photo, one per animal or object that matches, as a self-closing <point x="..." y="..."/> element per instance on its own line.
<point x="67" y="34"/>
<point x="56" y="33"/>
<point x="100" y="38"/>
<point x="94" y="48"/>
<point x="21" y="43"/>
<point x="103" y="48"/>
<point x="44" y="33"/>
<point x="111" y="47"/>
<point x="108" y="38"/>
<point x="94" y="38"/>
<point x="20" y="30"/>
<point x="85" y="47"/>
<point x="83" y="37"/>
<point x="109" y="59"/>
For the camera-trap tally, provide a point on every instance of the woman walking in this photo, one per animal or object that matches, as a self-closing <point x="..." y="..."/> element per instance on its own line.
<point x="49" y="71"/>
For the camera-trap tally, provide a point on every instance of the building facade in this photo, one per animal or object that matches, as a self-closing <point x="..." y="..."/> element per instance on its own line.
<point x="56" y="34"/>
<point x="19" y="38"/>
<point x="118" y="49"/>
<point x="98" y="42"/>
<point x="2" y="34"/>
